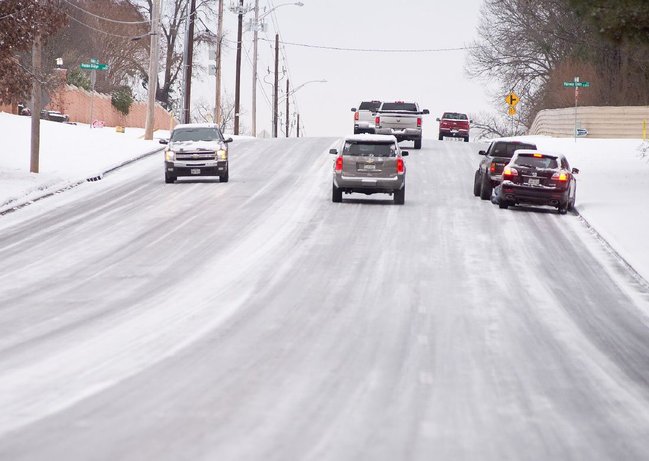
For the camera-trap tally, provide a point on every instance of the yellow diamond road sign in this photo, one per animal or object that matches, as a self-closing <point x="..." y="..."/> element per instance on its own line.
<point x="512" y="111"/>
<point x="512" y="99"/>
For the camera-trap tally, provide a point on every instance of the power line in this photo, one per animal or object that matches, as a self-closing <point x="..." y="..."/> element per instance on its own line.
<point x="374" y="50"/>
<point x="98" y="30"/>
<point x="104" y="18"/>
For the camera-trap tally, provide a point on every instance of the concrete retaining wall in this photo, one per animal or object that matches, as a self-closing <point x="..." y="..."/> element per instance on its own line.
<point x="601" y="122"/>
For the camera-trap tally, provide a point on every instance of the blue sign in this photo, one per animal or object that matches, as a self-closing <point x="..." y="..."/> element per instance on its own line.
<point x="582" y="132"/>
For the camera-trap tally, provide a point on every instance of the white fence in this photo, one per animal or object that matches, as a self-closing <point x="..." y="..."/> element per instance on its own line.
<point x="600" y="122"/>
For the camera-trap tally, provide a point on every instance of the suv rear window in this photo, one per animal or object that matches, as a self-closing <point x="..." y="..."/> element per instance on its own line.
<point x="529" y="160"/>
<point x="507" y="149"/>
<point x="370" y="105"/>
<point x="406" y="106"/>
<point x="360" y="149"/>
<point x="195" y="134"/>
<point x="454" y="116"/>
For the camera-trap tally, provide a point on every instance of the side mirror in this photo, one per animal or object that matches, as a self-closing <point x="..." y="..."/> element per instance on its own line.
<point x="404" y="153"/>
<point x="333" y="151"/>
<point x="470" y="121"/>
<point x="227" y="140"/>
<point x="575" y="171"/>
<point x="437" y="119"/>
<point x="482" y="152"/>
<point x="353" y="109"/>
<point x="164" y="141"/>
<point x="426" y="112"/>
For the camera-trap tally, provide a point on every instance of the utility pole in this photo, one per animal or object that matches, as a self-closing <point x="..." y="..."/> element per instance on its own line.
<point x="287" y="98"/>
<point x="153" y="69"/>
<point x="36" y="110"/>
<point x="219" y="39"/>
<point x="254" y="69"/>
<point x="237" y="87"/>
<point x="188" y="60"/>
<point x="275" y="88"/>
<point x="298" y="125"/>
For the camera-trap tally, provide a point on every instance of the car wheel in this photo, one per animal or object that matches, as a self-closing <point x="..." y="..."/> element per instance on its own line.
<point x="466" y="139"/>
<point x="336" y="194"/>
<point x="476" y="184"/>
<point x="563" y="209"/>
<point x="417" y="143"/>
<point x="355" y="131"/>
<point x="503" y="204"/>
<point x="486" y="188"/>
<point x="225" y="177"/>
<point x="441" y="138"/>
<point x="169" y="179"/>
<point x="400" y="196"/>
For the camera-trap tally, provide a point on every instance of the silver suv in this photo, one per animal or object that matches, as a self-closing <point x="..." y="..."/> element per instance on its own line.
<point x="364" y="116"/>
<point x="369" y="164"/>
<point x="196" y="149"/>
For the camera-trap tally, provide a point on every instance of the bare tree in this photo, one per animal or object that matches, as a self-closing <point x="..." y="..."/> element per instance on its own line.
<point x="204" y="113"/>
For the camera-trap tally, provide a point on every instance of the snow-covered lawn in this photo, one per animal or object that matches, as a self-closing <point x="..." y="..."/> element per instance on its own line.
<point x="612" y="189"/>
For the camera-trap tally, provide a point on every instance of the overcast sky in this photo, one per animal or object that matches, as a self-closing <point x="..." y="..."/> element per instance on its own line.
<point x="436" y="80"/>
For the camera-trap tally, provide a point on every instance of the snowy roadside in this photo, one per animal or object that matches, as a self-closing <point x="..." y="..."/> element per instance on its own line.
<point x="612" y="191"/>
<point x="69" y="155"/>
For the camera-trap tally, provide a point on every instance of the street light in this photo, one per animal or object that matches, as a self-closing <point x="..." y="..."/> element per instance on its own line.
<point x="156" y="5"/>
<point x="256" y="27"/>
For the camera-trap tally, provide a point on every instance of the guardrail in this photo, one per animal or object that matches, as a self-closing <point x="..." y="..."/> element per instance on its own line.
<point x="599" y="122"/>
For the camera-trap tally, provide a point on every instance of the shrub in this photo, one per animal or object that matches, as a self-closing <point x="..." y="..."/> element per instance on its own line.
<point x="121" y="99"/>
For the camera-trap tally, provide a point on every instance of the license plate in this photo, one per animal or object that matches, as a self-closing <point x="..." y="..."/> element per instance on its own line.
<point x="449" y="138"/>
<point x="369" y="167"/>
<point x="533" y="181"/>
<point x="195" y="171"/>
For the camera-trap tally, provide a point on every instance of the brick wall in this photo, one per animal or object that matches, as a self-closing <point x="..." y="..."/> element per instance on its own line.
<point x="601" y="122"/>
<point x="75" y="102"/>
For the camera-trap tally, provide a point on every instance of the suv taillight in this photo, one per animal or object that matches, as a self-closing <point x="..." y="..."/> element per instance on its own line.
<point x="377" y="121"/>
<point x="509" y="173"/>
<point x="561" y="176"/>
<point x="418" y="122"/>
<point x="400" y="166"/>
<point x="356" y="115"/>
<point x="492" y="167"/>
<point x="339" y="164"/>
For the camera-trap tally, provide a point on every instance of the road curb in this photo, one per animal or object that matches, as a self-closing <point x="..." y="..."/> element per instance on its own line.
<point x="609" y="248"/>
<point x="65" y="185"/>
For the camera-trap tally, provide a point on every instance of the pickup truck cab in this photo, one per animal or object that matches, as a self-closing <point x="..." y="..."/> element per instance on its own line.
<point x="364" y="116"/>
<point x="196" y="149"/>
<point x="403" y="120"/>
<point x="496" y="157"/>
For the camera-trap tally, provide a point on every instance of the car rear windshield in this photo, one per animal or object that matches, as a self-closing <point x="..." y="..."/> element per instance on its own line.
<point x="454" y="116"/>
<point x="405" y="106"/>
<point x="195" y="134"/>
<point x="529" y="160"/>
<point x="370" y="148"/>
<point x="370" y="105"/>
<point x="507" y="149"/>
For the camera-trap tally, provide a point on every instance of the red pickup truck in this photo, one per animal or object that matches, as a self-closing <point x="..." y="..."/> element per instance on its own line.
<point x="454" y="125"/>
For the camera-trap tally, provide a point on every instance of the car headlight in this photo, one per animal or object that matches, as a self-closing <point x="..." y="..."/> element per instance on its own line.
<point x="170" y="155"/>
<point x="222" y="154"/>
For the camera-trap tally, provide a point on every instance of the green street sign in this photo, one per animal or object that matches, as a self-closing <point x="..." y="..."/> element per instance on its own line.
<point x="576" y="84"/>
<point x="93" y="66"/>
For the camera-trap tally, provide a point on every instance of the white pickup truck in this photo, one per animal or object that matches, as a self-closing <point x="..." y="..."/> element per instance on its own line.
<point x="364" y="116"/>
<point x="402" y="120"/>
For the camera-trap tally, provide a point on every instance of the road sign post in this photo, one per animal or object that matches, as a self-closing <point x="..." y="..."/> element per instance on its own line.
<point x="93" y="66"/>
<point x="512" y="100"/>
<point x="576" y="84"/>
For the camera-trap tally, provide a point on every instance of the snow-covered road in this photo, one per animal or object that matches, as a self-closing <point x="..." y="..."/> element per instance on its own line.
<point x="257" y="320"/>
